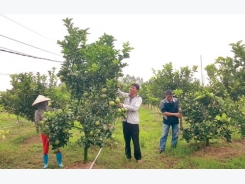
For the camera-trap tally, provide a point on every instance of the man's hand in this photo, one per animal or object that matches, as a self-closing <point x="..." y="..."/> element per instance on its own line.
<point x="120" y="104"/>
<point x="118" y="85"/>
<point x="177" y="115"/>
<point x="172" y="114"/>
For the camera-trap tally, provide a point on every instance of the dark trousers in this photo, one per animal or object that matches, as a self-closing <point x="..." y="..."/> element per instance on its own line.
<point x="131" y="131"/>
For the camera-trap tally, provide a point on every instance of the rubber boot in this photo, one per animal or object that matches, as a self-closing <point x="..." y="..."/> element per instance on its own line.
<point x="59" y="159"/>
<point x="45" y="161"/>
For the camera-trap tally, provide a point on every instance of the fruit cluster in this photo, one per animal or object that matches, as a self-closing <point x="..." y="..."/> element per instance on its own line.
<point x="56" y="124"/>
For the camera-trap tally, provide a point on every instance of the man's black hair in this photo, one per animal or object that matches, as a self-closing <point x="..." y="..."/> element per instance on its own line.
<point x="169" y="92"/>
<point x="136" y="85"/>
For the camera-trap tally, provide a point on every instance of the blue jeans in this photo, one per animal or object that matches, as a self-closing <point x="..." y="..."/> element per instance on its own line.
<point x="165" y="130"/>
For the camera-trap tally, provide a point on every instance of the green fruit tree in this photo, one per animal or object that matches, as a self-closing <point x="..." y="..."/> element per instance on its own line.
<point x="206" y="117"/>
<point x="91" y="73"/>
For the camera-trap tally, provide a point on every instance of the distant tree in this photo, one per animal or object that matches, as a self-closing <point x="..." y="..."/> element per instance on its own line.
<point x="228" y="73"/>
<point x="128" y="80"/>
<point x="25" y="89"/>
<point x="168" y="78"/>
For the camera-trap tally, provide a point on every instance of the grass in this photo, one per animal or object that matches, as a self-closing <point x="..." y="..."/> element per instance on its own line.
<point x="22" y="149"/>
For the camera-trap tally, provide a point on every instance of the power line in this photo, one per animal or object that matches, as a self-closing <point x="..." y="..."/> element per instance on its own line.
<point x="27" y="28"/>
<point x="27" y="55"/>
<point x="11" y="50"/>
<point x="29" y="45"/>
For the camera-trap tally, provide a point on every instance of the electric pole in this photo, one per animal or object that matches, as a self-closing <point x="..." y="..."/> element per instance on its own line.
<point x="201" y="70"/>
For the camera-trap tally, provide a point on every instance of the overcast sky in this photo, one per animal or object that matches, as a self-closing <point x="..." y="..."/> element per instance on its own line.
<point x="157" y="39"/>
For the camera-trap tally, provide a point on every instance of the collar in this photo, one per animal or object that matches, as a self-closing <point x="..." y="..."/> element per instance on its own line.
<point x="172" y="101"/>
<point x="134" y="96"/>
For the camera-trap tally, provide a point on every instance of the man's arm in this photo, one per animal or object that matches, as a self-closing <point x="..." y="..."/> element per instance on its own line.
<point x="161" y="105"/>
<point x="122" y="93"/>
<point x="171" y="114"/>
<point x="166" y="113"/>
<point x="134" y="107"/>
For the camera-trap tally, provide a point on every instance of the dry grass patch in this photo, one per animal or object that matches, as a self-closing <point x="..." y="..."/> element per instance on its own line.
<point x="224" y="152"/>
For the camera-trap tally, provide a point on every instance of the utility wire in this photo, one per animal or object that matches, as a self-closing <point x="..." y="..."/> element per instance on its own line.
<point x="27" y="28"/>
<point x="29" y="45"/>
<point x="11" y="50"/>
<point x="27" y="55"/>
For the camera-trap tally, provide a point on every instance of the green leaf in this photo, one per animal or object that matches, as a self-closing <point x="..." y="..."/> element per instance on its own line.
<point x="224" y="116"/>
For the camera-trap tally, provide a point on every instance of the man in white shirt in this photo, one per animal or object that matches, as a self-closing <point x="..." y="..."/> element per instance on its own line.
<point x="132" y="103"/>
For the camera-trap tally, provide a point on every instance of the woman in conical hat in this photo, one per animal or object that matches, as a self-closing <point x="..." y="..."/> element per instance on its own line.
<point x="40" y="99"/>
<point x="41" y="103"/>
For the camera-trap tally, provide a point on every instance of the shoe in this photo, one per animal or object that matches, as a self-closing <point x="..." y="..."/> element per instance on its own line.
<point x="139" y="161"/>
<point x="173" y="146"/>
<point x="161" y="151"/>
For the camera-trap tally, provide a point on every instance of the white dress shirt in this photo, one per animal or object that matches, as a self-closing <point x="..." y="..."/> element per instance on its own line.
<point x="132" y="105"/>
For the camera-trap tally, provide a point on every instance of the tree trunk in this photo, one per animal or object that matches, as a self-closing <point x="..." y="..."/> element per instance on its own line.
<point x="85" y="156"/>
<point x="180" y="119"/>
<point x="18" y="120"/>
<point x="207" y="141"/>
<point x="181" y="123"/>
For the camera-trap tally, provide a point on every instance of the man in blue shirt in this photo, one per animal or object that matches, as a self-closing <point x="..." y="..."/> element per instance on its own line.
<point x="171" y="113"/>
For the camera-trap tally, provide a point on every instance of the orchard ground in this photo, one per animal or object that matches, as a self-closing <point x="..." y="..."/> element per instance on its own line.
<point x="22" y="149"/>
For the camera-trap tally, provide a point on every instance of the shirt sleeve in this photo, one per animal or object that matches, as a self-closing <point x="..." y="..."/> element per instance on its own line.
<point x="37" y="117"/>
<point x="177" y="101"/>
<point x="163" y="109"/>
<point x="161" y="105"/>
<point x="134" y="107"/>
<point x="122" y="93"/>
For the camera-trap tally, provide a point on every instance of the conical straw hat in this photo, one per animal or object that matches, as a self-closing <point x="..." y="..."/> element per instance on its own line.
<point x="40" y="99"/>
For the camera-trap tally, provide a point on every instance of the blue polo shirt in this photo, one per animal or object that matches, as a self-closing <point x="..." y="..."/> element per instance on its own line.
<point x="173" y="107"/>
